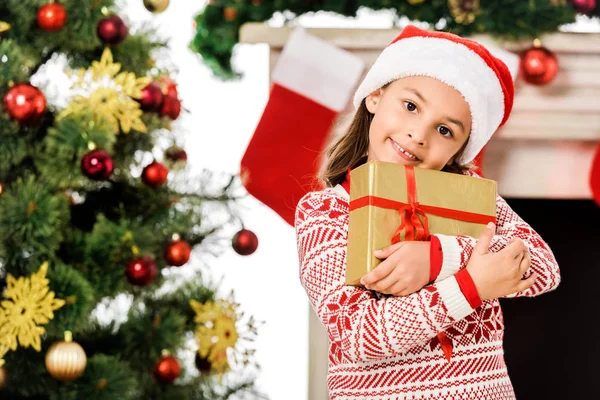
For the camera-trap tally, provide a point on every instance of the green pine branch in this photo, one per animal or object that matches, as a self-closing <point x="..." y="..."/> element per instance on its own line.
<point x="217" y="26"/>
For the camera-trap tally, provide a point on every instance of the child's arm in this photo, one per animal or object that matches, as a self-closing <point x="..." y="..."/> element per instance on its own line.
<point x="456" y="251"/>
<point x="360" y="325"/>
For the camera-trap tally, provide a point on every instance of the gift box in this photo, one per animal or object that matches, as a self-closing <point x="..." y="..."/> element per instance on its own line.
<point x="392" y="202"/>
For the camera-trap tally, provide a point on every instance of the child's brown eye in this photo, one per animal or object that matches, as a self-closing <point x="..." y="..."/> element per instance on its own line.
<point x="410" y="106"/>
<point x="445" y="131"/>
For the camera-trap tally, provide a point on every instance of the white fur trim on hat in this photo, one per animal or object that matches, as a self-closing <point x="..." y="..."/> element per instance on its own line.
<point x="467" y="72"/>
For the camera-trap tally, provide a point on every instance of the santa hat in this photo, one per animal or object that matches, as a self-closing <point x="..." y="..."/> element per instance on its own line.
<point x="484" y="81"/>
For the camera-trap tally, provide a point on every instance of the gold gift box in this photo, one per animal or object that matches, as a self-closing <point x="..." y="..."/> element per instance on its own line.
<point x="372" y="227"/>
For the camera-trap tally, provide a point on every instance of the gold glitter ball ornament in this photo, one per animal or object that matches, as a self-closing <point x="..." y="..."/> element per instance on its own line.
<point x="66" y="360"/>
<point x="156" y="6"/>
<point x="464" y="11"/>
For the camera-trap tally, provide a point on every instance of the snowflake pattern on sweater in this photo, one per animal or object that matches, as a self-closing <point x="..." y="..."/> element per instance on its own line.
<point x="385" y="347"/>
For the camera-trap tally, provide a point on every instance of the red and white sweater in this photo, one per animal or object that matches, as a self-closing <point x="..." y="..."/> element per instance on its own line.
<point x="383" y="347"/>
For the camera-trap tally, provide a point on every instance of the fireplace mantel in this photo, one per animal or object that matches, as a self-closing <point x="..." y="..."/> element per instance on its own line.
<point x="546" y="148"/>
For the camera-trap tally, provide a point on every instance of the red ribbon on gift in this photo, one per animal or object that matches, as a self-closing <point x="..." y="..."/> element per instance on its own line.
<point x="412" y="226"/>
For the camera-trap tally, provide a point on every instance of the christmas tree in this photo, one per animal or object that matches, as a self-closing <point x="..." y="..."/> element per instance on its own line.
<point x="97" y="209"/>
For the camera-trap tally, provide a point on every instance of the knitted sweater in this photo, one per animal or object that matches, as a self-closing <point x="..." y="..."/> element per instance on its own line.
<point x="385" y="347"/>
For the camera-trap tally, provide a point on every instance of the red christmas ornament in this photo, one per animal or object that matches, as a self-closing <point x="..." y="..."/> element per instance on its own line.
<point x="177" y="253"/>
<point x="152" y="97"/>
<point x="141" y="271"/>
<point x="584" y="6"/>
<point x="112" y="30"/>
<point x="169" y="87"/>
<point x="244" y="242"/>
<point x="167" y="369"/>
<point x="230" y="13"/>
<point x="171" y="107"/>
<point x="155" y="174"/>
<point x="539" y="66"/>
<point x="25" y="103"/>
<point x="97" y="165"/>
<point x="176" y="156"/>
<point x="51" y="17"/>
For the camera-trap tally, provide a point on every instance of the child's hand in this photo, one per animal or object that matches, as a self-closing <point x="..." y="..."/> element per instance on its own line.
<point x="405" y="269"/>
<point x="499" y="274"/>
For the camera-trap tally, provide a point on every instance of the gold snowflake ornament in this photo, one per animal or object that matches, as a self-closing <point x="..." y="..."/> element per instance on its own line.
<point x="216" y="331"/>
<point x="109" y="95"/>
<point x="28" y="304"/>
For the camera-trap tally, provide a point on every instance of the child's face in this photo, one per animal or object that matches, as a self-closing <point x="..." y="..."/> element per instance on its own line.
<point x="419" y="115"/>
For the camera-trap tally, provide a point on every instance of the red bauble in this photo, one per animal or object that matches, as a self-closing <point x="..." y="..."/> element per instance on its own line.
<point x="25" y="103"/>
<point x="230" y="13"/>
<point x="244" y="242"/>
<point x="141" y="271"/>
<point x="97" y="165"/>
<point x="51" y="17"/>
<point x="171" y="107"/>
<point x="152" y="98"/>
<point x="177" y="253"/>
<point x="155" y="174"/>
<point x="168" y="86"/>
<point x="584" y="6"/>
<point x="176" y="156"/>
<point x="112" y="30"/>
<point x="167" y="369"/>
<point x="539" y="66"/>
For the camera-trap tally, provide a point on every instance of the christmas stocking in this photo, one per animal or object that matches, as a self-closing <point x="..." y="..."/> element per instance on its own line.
<point x="312" y="82"/>
<point x="595" y="176"/>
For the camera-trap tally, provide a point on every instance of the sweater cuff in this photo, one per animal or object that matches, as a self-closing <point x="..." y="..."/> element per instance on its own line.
<point x="453" y="298"/>
<point x="468" y="288"/>
<point x="451" y="256"/>
<point x="436" y="257"/>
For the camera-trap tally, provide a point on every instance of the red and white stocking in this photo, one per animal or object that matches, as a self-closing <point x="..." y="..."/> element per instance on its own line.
<point x="312" y="82"/>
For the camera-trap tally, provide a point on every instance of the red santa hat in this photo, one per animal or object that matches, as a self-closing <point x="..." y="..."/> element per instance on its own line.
<point x="484" y="81"/>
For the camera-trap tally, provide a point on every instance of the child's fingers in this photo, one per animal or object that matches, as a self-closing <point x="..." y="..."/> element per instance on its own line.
<point x="515" y="248"/>
<point x="380" y="272"/>
<point x="387" y="251"/>
<point x="525" y="262"/>
<point x="395" y="289"/>
<point x="384" y="284"/>
<point x="527" y="283"/>
<point x="485" y="239"/>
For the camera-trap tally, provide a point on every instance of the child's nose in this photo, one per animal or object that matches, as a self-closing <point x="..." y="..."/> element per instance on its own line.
<point x="418" y="136"/>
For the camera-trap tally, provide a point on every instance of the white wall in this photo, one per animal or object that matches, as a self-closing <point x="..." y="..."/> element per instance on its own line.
<point x="221" y="120"/>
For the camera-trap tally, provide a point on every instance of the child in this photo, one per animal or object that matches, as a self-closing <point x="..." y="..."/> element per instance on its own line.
<point x="431" y="100"/>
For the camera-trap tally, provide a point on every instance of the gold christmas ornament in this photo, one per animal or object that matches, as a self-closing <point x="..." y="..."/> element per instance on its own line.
<point x="464" y="11"/>
<point x="28" y="305"/>
<point x="4" y="27"/>
<point x="109" y="96"/>
<point x="66" y="360"/>
<point x="156" y="6"/>
<point x="415" y="2"/>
